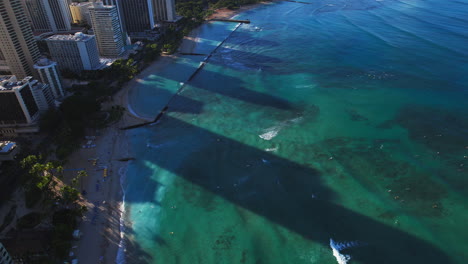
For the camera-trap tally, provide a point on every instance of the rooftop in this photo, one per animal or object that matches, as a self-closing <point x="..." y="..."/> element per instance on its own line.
<point x="100" y="5"/>
<point x="80" y="4"/>
<point x="44" y="62"/>
<point x="79" y="36"/>
<point x="9" y="82"/>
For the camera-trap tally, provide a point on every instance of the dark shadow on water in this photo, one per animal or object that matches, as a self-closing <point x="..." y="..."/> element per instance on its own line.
<point x="243" y="61"/>
<point x="235" y="88"/>
<point x="183" y="105"/>
<point x="231" y="87"/>
<point x="285" y="192"/>
<point x="250" y="39"/>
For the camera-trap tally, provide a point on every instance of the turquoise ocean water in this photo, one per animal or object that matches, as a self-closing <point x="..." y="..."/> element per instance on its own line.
<point x="337" y="120"/>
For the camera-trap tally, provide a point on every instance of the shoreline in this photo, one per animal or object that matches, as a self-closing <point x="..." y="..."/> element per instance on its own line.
<point x="225" y="13"/>
<point x="104" y="240"/>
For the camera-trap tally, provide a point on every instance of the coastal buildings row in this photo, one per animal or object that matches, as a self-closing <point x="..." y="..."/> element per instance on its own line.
<point x="30" y="84"/>
<point x="141" y="18"/>
<point x="136" y="17"/>
<point x="111" y="20"/>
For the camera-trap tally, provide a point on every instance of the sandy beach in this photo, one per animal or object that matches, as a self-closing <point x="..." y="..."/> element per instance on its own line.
<point x="100" y="226"/>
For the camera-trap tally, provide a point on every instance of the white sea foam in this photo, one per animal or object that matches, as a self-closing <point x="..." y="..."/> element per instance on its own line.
<point x="271" y="149"/>
<point x="340" y="258"/>
<point x="120" y="259"/>
<point x="296" y="120"/>
<point x="304" y="86"/>
<point x="338" y="246"/>
<point x="270" y="134"/>
<point x="273" y="131"/>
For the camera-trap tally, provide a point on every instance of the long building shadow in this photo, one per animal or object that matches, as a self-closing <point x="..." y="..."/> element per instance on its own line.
<point x="249" y="39"/>
<point x="236" y="88"/>
<point x="157" y="98"/>
<point x="243" y="61"/>
<point x="285" y="192"/>
<point x="232" y="87"/>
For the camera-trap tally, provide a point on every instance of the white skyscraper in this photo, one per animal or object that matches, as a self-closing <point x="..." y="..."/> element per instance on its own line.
<point x="74" y="52"/>
<point x="42" y="95"/>
<point x="106" y="26"/>
<point x="118" y="4"/>
<point x="49" y="74"/>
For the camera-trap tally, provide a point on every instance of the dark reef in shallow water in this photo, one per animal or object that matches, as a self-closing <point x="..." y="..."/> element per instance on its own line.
<point x="442" y="131"/>
<point x="414" y="189"/>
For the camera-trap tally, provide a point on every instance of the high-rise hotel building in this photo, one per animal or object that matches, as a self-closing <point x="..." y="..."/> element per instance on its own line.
<point x="49" y="15"/>
<point x="17" y="43"/>
<point x="74" y="52"/>
<point x="143" y="15"/>
<point x="106" y="25"/>
<point x="50" y="75"/>
<point x="164" y="10"/>
<point x="80" y="12"/>
<point x="118" y="5"/>
<point x="138" y="15"/>
<point x="21" y="103"/>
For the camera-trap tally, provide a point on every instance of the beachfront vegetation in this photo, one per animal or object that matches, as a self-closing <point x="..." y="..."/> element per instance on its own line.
<point x="59" y="202"/>
<point x="44" y="183"/>
<point x="41" y="179"/>
<point x="201" y="9"/>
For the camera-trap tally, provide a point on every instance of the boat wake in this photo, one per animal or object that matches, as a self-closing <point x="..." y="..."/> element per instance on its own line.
<point x="339" y="246"/>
